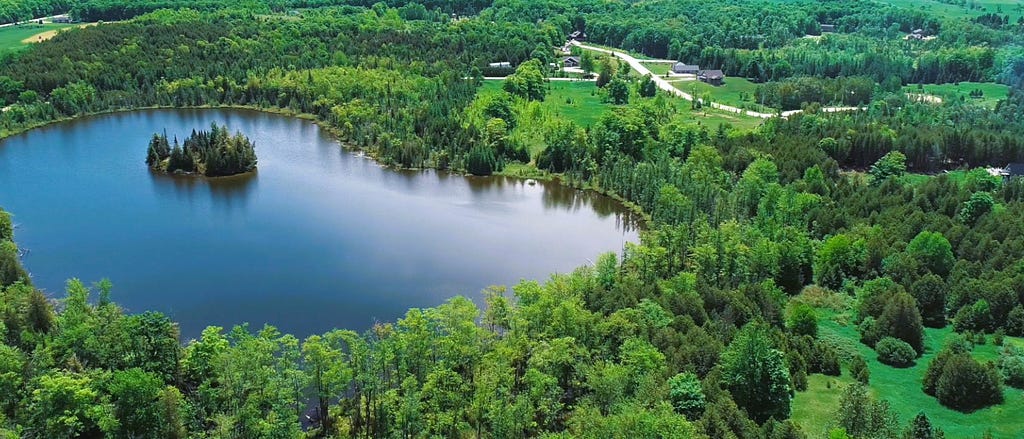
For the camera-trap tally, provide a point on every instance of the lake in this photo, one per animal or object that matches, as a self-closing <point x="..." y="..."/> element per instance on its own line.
<point x="319" y="238"/>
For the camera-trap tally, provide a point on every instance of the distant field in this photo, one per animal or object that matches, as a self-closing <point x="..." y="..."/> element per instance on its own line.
<point x="581" y="102"/>
<point x="713" y="118"/>
<point x="992" y="92"/>
<point x="576" y="101"/>
<point x="12" y="37"/>
<point x="902" y="388"/>
<point x="736" y="92"/>
<point x="948" y="11"/>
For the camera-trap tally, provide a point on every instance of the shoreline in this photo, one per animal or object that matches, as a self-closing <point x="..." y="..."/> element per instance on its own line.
<point x="335" y="134"/>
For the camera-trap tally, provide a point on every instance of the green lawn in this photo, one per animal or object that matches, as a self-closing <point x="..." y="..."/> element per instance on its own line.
<point x="939" y="9"/>
<point x="736" y="92"/>
<point x="575" y="100"/>
<point x="713" y="118"/>
<point x="11" y="37"/>
<point x="902" y="388"/>
<point x="992" y="92"/>
<point x="815" y="408"/>
<point x="658" y="68"/>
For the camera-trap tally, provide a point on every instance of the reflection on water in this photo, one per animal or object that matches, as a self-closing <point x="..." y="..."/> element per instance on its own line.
<point x="231" y="192"/>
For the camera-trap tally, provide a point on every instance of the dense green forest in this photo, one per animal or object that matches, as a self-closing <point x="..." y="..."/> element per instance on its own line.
<point x="869" y="249"/>
<point x="214" y="153"/>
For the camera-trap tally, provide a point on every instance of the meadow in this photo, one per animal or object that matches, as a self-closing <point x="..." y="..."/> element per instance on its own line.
<point x="991" y="92"/>
<point x="815" y="408"/>
<point x="14" y="37"/>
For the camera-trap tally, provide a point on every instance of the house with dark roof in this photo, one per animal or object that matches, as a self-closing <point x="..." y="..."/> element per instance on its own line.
<point x="571" y="61"/>
<point x="578" y="35"/>
<point x="1013" y="170"/>
<point x="713" y="77"/>
<point x="681" y="68"/>
<point x="826" y="28"/>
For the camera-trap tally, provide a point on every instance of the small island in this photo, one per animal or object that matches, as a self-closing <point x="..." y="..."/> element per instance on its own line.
<point x="213" y="153"/>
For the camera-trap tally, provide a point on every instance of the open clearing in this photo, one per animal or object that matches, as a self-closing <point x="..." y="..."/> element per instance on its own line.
<point x="991" y="92"/>
<point x="20" y="36"/>
<point x="1013" y="8"/>
<point x="816" y="407"/>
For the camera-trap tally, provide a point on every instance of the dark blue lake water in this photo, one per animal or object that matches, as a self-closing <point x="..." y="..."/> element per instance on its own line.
<point x="319" y="238"/>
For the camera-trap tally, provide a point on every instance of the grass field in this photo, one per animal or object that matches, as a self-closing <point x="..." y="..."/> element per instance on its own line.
<point x="957" y="176"/>
<point x="658" y="68"/>
<point x="992" y="92"/>
<point x="736" y="92"/>
<point x="581" y="102"/>
<point x="12" y="37"/>
<point x="1012" y="8"/>
<point x="815" y="408"/>
<point x="574" y="100"/>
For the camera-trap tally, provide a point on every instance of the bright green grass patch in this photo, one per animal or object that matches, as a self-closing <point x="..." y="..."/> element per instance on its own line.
<point x="578" y="101"/>
<point x="814" y="408"/>
<point x="11" y="37"/>
<point x="636" y="55"/>
<point x="948" y="11"/>
<point x="902" y="388"/>
<point x="956" y="176"/>
<point x="713" y="118"/>
<point x="735" y="92"/>
<point x="991" y="92"/>
<point x="581" y="102"/>
<point x="658" y="68"/>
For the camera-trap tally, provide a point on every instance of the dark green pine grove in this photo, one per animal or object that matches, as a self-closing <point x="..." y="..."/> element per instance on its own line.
<point x="213" y="153"/>
<point x="821" y="247"/>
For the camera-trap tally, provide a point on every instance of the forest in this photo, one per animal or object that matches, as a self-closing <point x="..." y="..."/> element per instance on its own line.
<point x="213" y="153"/>
<point x="829" y="274"/>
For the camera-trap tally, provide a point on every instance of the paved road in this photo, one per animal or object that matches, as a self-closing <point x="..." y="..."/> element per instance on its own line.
<point x="34" y="19"/>
<point x="665" y="85"/>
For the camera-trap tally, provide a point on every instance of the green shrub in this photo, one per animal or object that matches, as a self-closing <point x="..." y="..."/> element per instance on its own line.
<point x="895" y="352"/>
<point x="859" y="370"/>
<point x="1011" y="367"/>
<point x="967" y="385"/>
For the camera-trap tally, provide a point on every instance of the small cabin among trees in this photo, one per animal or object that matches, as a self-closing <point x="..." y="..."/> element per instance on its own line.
<point x="571" y="61"/>
<point x="578" y="35"/>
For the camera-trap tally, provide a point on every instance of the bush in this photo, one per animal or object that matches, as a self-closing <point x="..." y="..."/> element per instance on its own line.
<point x="1011" y="367"/>
<point x="686" y="395"/>
<point x="859" y="370"/>
<point x="967" y="385"/>
<point x="869" y="332"/>
<point x="902" y="320"/>
<point x="976" y="317"/>
<point x="895" y="352"/>
<point x="803" y="320"/>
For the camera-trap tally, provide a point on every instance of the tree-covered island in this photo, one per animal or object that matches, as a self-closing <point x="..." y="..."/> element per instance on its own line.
<point x="213" y="153"/>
